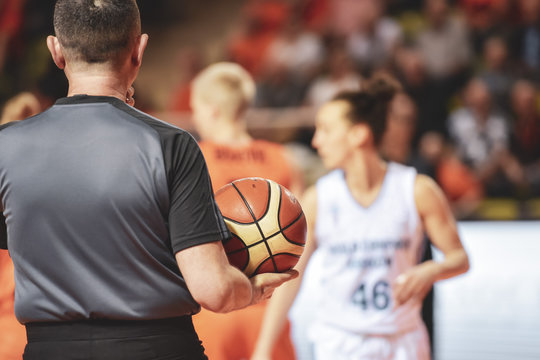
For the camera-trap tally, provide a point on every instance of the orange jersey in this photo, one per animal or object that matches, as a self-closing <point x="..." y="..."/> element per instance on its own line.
<point x="232" y="336"/>
<point x="259" y="158"/>
<point x="13" y="338"/>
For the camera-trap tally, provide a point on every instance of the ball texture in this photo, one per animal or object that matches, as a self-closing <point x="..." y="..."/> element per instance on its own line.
<point x="267" y="224"/>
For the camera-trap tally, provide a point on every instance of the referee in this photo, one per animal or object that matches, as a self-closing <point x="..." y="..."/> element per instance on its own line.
<point x="108" y="213"/>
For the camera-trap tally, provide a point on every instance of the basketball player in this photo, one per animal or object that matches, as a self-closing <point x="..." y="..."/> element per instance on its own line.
<point x="108" y="213"/>
<point x="220" y="95"/>
<point x="13" y="338"/>
<point x="366" y="220"/>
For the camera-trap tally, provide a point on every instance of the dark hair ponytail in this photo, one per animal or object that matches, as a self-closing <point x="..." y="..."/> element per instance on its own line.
<point x="370" y="104"/>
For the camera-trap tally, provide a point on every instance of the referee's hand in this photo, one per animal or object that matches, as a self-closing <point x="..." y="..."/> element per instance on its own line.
<point x="263" y="285"/>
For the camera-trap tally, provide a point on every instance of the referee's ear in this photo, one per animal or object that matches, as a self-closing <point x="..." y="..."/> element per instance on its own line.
<point x="56" y="51"/>
<point x="138" y="50"/>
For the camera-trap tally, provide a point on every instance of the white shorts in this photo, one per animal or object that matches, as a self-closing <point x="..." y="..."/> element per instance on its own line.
<point x="337" y="344"/>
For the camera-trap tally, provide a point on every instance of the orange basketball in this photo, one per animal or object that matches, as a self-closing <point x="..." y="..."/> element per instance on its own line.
<point x="267" y="224"/>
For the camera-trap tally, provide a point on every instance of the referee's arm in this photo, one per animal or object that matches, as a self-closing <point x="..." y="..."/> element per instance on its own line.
<point x="194" y="223"/>
<point x="212" y="282"/>
<point x="220" y="287"/>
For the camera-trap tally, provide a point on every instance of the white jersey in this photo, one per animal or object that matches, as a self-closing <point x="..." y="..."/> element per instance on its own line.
<point x="363" y="250"/>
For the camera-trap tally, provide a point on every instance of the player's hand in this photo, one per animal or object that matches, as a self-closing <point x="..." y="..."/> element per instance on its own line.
<point x="414" y="283"/>
<point x="263" y="285"/>
<point x="130" y="100"/>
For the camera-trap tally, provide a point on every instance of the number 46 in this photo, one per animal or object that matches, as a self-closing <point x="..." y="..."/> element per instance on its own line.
<point x="379" y="299"/>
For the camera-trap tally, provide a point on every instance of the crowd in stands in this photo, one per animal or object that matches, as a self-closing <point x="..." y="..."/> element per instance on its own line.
<point x="470" y="114"/>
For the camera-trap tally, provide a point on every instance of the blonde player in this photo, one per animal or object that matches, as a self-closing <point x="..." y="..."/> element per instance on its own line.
<point x="220" y="95"/>
<point x="366" y="222"/>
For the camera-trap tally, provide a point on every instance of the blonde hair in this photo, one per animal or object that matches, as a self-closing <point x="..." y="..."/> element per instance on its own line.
<point x="226" y="86"/>
<point x="20" y="107"/>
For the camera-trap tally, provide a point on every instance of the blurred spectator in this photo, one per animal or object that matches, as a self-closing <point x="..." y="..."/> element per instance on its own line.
<point x="37" y="15"/>
<point x="35" y="61"/>
<point x="161" y="13"/>
<point x="396" y="7"/>
<point x="277" y="88"/>
<point x="481" y="137"/>
<point x="444" y="43"/>
<point x="375" y="38"/>
<point x="259" y="26"/>
<point x="189" y="62"/>
<point x="340" y="75"/>
<point x="296" y="50"/>
<point x="396" y="144"/>
<point x="344" y="16"/>
<point x="10" y="50"/>
<point x="485" y="18"/>
<point x="526" y="38"/>
<point x="51" y="86"/>
<point x="525" y="139"/>
<point x="28" y="64"/>
<point x="10" y="24"/>
<point x="272" y="14"/>
<point x="496" y="72"/>
<point x="459" y="183"/>
<point x="432" y="157"/>
<point x="315" y="13"/>
<point x="431" y="97"/>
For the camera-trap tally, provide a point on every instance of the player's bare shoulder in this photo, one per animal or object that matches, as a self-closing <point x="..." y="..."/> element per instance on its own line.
<point x="428" y="195"/>
<point x="309" y="204"/>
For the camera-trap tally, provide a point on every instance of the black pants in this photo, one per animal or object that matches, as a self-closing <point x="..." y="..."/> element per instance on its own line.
<point x="166" y="339"/>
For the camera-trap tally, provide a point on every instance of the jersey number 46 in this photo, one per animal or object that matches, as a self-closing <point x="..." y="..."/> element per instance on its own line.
<point x="377" y="297"/>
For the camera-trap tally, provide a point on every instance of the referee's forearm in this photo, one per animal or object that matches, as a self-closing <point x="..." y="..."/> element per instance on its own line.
<point x="233" y="293"/>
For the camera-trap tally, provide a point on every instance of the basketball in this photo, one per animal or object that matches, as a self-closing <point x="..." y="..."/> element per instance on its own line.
<point x="267" y="224"/>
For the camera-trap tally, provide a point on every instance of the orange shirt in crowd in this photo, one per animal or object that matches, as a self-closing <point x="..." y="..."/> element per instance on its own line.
<point x="233" y="336"/>
<point x="13" y="334"/>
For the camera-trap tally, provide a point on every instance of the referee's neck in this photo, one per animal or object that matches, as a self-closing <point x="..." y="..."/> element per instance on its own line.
<point x="98" y="84"/>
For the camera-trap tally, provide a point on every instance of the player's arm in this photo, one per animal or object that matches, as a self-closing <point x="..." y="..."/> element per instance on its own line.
<point x="440" y="226"/>
<point x="279" y="305"/>
<point x="220" y="287"/>
<point x="297" y="185"/>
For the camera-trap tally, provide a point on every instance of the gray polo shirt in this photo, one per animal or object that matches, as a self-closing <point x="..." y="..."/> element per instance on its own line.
<point x="97" y="197"/>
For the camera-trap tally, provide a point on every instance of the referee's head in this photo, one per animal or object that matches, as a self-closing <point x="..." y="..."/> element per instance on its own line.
<point x="96" y="34"/>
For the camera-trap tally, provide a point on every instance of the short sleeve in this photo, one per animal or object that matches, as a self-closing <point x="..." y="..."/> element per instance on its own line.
<point x="194" y="217"/>
<point x="3" y="232"/>
<point x="3" y="227"/>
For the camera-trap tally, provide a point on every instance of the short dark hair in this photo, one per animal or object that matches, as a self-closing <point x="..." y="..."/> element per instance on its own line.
<point x="370" y="105"/>
<point x="96" y="31"/>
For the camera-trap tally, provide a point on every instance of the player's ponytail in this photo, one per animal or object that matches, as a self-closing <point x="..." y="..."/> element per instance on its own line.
<point x="370" y="104"/>
<point x="382" y="88"/>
